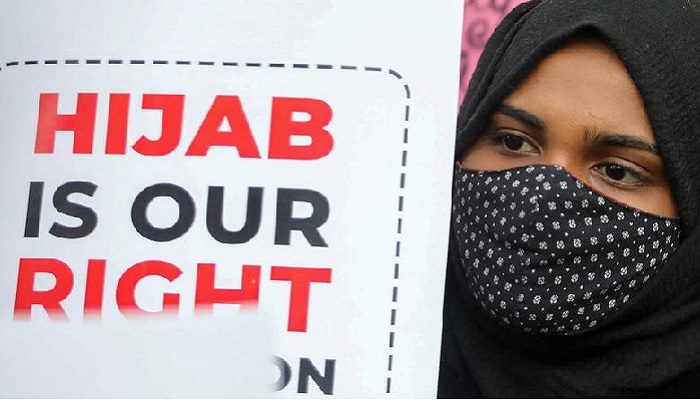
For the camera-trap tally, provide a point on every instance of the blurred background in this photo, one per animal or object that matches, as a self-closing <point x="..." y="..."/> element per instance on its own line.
<point x="480" y="19"/>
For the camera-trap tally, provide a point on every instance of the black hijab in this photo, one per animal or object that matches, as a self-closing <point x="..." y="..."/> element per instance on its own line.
<point x="651" y="346"/>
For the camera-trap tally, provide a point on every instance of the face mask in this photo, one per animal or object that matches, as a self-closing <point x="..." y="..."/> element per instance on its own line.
<point x="543" y="253"/>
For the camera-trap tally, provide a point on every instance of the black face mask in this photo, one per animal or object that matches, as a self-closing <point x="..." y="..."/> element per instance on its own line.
<point x="544" y="253"/>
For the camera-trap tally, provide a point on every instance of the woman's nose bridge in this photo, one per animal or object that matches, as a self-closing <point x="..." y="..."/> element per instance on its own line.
<point x="568" y="161"/>
<point x="560" y="158"/>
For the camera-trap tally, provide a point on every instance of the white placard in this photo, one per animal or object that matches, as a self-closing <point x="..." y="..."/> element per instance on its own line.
<point x="177" y="158"/>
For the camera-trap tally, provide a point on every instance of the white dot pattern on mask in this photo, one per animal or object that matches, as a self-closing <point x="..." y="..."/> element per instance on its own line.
<point x="558" y="258"/>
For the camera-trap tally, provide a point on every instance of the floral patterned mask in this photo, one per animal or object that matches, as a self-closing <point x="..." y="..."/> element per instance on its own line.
<point x="544" y="253"/>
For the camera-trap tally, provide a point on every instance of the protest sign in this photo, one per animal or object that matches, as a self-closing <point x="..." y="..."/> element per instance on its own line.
<point x="171" y="159"/>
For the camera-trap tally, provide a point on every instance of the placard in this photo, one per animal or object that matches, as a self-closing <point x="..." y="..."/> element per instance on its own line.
<point x="173" y="159"/>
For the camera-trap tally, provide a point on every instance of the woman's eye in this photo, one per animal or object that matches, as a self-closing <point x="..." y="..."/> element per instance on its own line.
<point x="516" y="143"/>
<point x="622" y="174"/>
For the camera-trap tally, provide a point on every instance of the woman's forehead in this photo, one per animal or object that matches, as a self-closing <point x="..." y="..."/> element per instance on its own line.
<point x="584" y="85"/>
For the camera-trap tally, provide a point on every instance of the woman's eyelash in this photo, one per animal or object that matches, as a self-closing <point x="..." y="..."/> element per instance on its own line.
<point x="500" y="138"/>
<point x="635" y="173"/>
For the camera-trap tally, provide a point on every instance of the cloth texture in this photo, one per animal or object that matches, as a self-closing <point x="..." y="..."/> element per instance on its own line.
<point x="544" y="253"/>
<point x="649" y="346"/>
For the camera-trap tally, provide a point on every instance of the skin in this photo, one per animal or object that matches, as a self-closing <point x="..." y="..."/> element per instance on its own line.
<point x="581" y="110"/>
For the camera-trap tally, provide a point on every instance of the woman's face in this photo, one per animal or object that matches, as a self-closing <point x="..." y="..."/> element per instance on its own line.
<point x="581" y="110"/>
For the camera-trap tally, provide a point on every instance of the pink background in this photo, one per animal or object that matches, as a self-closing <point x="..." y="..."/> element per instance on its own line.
<point x="480" y="19"/>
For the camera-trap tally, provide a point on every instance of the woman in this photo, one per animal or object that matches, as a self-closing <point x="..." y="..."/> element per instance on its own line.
<point x="574" y="265"/>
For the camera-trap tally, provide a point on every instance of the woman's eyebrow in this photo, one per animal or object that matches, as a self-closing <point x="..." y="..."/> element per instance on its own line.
<point x="621" y="140"/>
<point x="522" y="116"/>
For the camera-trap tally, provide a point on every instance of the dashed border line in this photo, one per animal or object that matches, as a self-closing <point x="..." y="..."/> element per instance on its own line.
<point x="94" y="61"/>
<point x="404" y="150"/>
